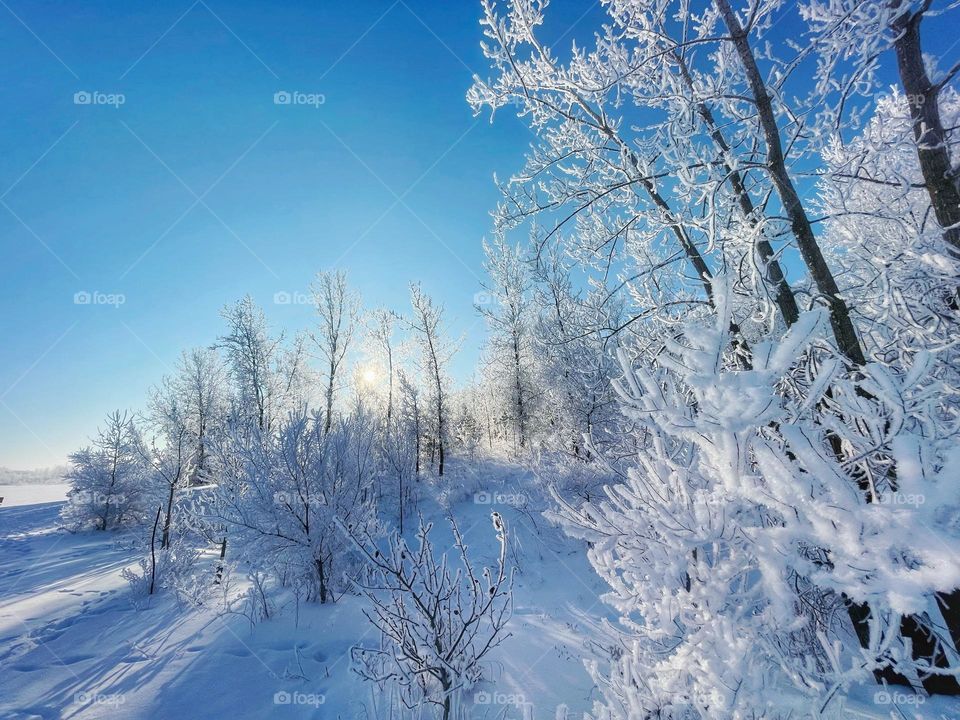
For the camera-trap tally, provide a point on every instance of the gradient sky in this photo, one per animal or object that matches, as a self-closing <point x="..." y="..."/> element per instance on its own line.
<point x="198" y="188"/>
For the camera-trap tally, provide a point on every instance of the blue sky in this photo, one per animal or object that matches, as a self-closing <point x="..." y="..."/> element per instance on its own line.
<point x="198" y="188"/>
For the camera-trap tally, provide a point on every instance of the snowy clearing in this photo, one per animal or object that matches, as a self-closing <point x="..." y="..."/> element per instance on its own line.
<point x="72" y="644"/>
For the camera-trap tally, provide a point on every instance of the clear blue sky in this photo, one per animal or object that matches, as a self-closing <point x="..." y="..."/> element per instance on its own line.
<point x="100" y="198"/>
<point x="199" y="188"/>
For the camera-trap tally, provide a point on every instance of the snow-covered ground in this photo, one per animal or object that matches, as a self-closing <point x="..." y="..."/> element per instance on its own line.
<point x="72" y="645"/>
<point x="16" y="495"/>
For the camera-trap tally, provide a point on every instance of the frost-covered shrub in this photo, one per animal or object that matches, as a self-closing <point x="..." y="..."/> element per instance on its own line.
<point x="399" y="486"/>
<point x="764" y="500"/>
<point x="282" y="493"/>
<point x="574" y="479"/>
<point x="107" y="479"/>
<point x="437" y="619"/>
<point x="171" y="568"/>
<point x="255" y="603"/>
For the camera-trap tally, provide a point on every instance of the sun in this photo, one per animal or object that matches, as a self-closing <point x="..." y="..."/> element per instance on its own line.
<point x="369" y="375"/>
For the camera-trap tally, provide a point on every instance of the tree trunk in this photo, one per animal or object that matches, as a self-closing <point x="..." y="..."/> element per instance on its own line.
<point x="223" y="554"/>
<point x="200" y="471"/>
<point x="389" y="388"/>
<point x="328" y="420"/>
<point x="165" y="543"/>
<point x="416" y="434"/>
<point x="153" y="553"/>
<point x="928" y="131"/>
<point x="840" y="320"/>
<point x="773" y="274"/>
<point x="518" y="381"/>
<point x="322" y="579"/>
<point x="446" y="684"/>
<point x="440" y="456"/>
<point x="440" y="423"/>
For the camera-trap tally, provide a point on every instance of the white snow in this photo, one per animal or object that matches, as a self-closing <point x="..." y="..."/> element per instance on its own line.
<point x="72" y="645"/>
<point x="16" y="495"/>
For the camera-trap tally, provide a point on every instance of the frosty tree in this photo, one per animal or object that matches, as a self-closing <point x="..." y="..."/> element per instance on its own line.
<point x="282" y="493"/>
<point x="437" y="618"/>
<point x="200" y="386"/>
<point x="170" y="455"/>
<point x="410" y="416"/>
<point x="338" y="310"/>
<point x="435" y="351"/>
<point x="507" y="307"/>
<point x="850" y="36"/>
<point x="381" y="329"/>
<point x="268" y="377"/>
<point x="107" y="479"/>
<point x="730" y="548"/>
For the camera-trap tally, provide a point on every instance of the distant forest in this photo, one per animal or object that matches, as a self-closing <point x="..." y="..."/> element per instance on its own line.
<point x="32" y="477"/>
